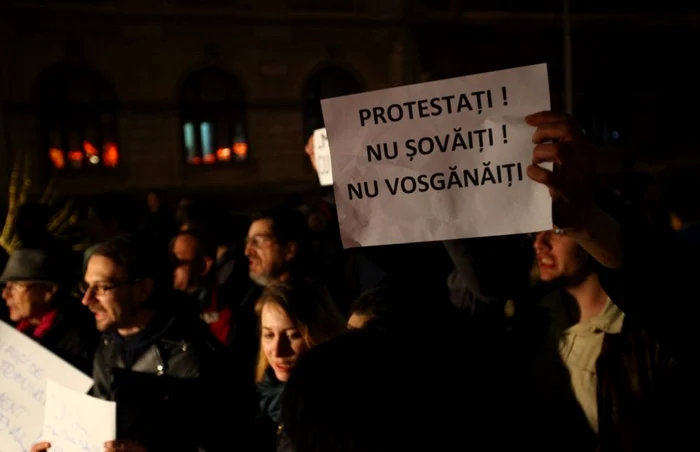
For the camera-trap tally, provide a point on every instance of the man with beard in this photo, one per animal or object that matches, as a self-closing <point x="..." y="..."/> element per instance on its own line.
<point x="596" y="379"/>
<point x="164" y="369"/>
<point x="276" y="248"/>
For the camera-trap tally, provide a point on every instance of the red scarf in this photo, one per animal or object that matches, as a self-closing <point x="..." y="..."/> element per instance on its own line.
<point x="219" y="320"/>
<point x="37" y="331"/>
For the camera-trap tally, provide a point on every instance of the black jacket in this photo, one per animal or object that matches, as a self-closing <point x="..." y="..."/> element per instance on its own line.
<point x="169" y="385"/>
<point x="72" y="337"/>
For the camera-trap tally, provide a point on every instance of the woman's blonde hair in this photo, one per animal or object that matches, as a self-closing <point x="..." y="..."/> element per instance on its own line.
<point x="309" y="305"/>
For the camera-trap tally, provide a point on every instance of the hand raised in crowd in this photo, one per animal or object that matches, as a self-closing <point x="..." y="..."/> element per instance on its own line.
<point x="559" y="140"/>
<point x="124" y="446"/>
<point x="41" y="447"/>
<point x="309" y="149"/>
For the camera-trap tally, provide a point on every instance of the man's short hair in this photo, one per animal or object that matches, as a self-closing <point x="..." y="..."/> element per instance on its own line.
<point x="134" y="254"/>
<point x="288" y="225"/>
<point x="206" y="245"/>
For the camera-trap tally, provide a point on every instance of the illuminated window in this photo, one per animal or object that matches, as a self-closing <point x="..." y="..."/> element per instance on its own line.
<point x="212" y="106"/>
<point x="322" y="84"/>
<point x="78" y="119"/>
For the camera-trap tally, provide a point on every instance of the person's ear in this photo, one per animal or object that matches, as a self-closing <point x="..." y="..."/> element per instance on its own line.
<point x="207" y="264"/>
<point x="49" y="294"/>
<point x="290" y="251"/>
<point x="144" y="290"/>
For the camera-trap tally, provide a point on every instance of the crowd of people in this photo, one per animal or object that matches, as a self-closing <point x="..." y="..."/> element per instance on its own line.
<point x="278" y="339"/>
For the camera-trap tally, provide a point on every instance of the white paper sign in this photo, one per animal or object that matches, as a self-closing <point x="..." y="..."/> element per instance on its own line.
<point x="25" y="367"/>
<point x="439" y="160"/>
<point x="322" y="156"/>
<point x="74" y="421"/>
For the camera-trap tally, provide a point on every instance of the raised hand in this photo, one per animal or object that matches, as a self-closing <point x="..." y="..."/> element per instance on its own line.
<point x="559" y="140"/>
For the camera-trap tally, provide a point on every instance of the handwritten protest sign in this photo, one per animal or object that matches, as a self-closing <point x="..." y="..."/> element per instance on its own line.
<point x="322" y="156"/>
<point x="438" y="160"/>
<point x="25" y="367"/>
<point x="76" y="421"/>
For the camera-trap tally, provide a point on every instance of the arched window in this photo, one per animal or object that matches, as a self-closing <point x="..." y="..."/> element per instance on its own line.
<point x="78" y="119"/>
<point x="212" y="107"/>
<point x="324" y="83"/>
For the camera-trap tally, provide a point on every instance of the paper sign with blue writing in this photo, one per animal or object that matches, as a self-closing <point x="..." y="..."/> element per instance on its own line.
<point x="322" y="157"/>
<point x="439" y="160"/>
<point x="25" y="367"/>
<point x="74" y="421"/>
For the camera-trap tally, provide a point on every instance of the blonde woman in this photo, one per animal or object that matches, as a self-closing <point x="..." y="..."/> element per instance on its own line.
<point x="293" y="317"/>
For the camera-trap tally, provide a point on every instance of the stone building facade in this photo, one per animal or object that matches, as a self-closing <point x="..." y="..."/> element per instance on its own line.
<point x="155" y="77"/>
<point x="132" y="61"/>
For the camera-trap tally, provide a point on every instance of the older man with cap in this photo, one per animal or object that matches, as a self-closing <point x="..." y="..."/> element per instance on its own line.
<point x="36" y="293"/>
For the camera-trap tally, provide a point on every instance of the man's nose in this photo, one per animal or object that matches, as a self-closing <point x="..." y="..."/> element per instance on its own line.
<point x="6" y="293"/>
<point x="541" y="241"/>
<point x="248" y="250"/>
<point x="87" y="298"/>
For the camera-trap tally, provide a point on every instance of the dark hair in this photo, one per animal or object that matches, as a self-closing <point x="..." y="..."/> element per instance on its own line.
<point x="137" y="256"/>
<point x="350" y="395"/>
<point x="309" y="304"/>
<point x="288" y="225"/>
<point x="342" y="395"/>
<point x="207" y="246"/>
<point x="394" y="307"/>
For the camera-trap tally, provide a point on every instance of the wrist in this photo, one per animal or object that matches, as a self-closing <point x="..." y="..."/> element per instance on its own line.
<point x="601" y="236"/>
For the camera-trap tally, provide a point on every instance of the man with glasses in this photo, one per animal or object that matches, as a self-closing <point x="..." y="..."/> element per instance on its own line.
<point x="193" y="256"/>
<point x="275" y="245"/>
<point x="276" y="248"/>
<point x="161" y="366"/>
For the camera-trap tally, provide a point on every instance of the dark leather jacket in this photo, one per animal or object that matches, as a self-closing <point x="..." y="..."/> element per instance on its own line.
<point x="167" y="384"/>
<point x="636" y="390"/>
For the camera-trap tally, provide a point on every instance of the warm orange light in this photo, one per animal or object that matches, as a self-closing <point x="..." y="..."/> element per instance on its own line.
<point x="210" y="158"/>
<point x="196" y="160"/>
<point x="76" y="156"/>
<point x="57" y="158"/>
<point x="110" y="157"/>
<point x="89" y="148"/>
<point x="223" y="154"/>
<point x="240" y="150"/>
<point x="76" y="159"/>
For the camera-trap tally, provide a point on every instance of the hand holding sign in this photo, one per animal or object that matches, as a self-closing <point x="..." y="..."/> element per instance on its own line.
<point x="25" y="367"/>
<point x="560" y="141"/>
<point x="439" y="160"/>
<point x="75" y="421"/>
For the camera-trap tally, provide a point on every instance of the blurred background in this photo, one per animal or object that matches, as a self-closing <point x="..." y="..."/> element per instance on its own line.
<point x="218" y="97"/>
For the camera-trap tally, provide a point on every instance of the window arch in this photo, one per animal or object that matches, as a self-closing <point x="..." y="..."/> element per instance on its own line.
<point x="212" y="106"/>
<point x="326" y="82"/>
<point x="78" y="119"/>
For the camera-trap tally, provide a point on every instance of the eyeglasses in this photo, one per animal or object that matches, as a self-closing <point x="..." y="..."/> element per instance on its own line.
<point x="259" y="240"/>
<point x="99" y="290"/>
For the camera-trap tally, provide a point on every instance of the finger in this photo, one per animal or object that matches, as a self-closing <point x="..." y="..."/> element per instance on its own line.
<point x="546" y="178"/>
<point x="549" y="132"/>
<point x="40" y="447"/>
<point x="113" y="446"/>
<point x="545" y="117"/>
<point x="547" y="152"/>
<point x="542" y="176"/>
